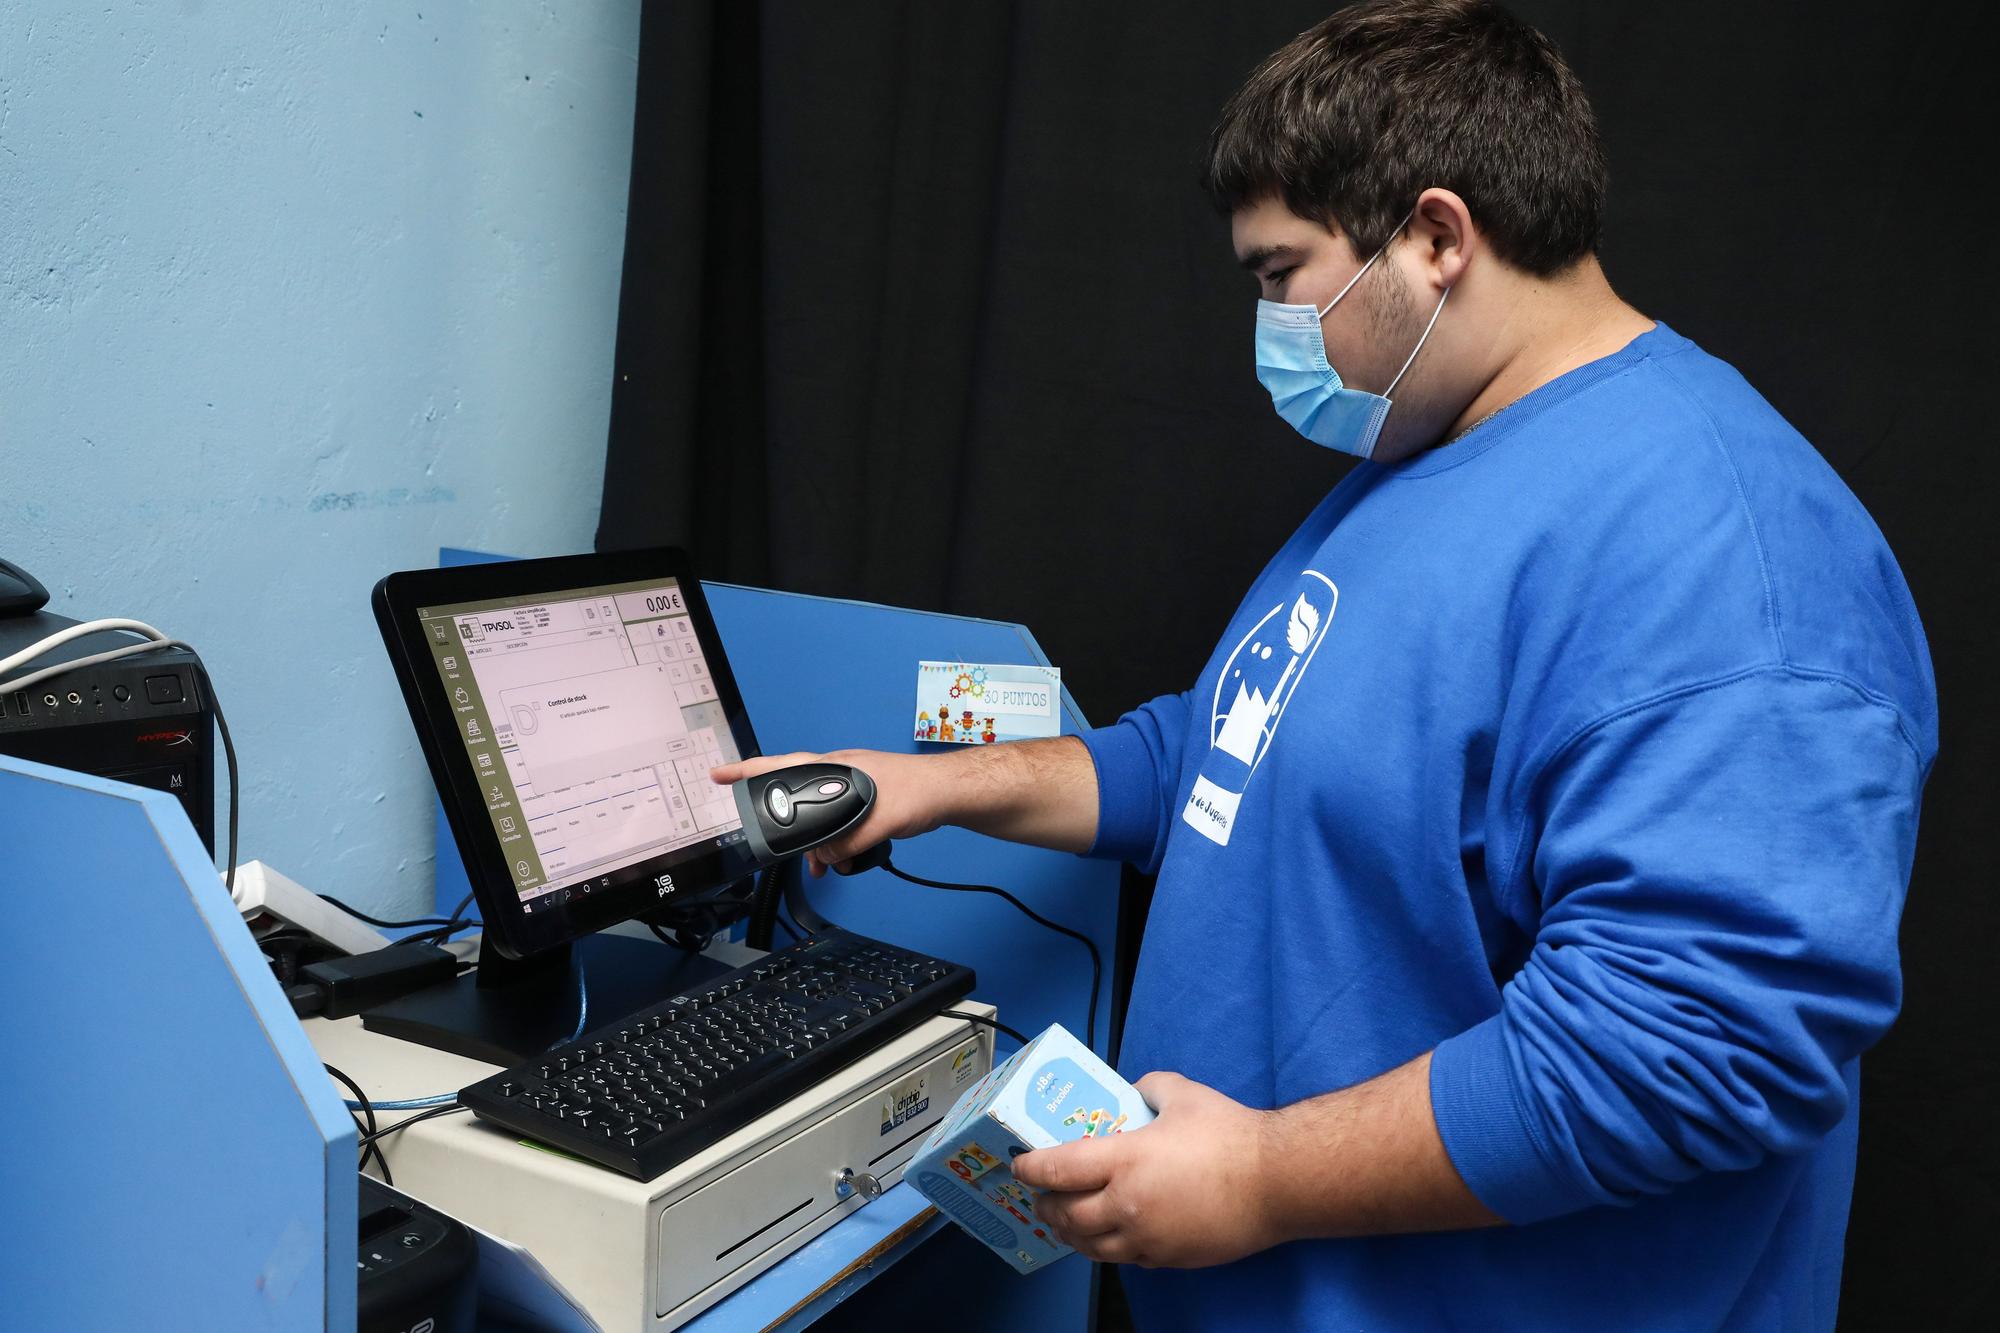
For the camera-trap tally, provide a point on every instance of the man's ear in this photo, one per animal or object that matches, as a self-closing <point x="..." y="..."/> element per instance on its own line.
<point x="1442" y="226"/>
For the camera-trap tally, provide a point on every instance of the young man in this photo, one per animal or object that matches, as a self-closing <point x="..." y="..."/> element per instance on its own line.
<point x="1530" y="852"/>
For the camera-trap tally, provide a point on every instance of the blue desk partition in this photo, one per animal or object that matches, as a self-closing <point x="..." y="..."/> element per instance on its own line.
<point x="176" y="1157"/>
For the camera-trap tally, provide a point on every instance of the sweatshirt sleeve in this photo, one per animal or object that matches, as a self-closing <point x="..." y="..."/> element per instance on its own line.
<point x="1720" y="872"/>
<point x="1138" y="760"/>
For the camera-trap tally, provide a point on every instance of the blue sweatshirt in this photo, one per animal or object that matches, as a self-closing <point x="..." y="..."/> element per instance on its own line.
<point x="1586" y="751"/>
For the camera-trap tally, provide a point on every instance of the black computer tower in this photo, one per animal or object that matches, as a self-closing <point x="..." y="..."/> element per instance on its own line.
<point x="144" y="719"/>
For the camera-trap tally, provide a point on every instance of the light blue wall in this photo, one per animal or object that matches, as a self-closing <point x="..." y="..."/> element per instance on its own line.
<point x="291" y="295"/>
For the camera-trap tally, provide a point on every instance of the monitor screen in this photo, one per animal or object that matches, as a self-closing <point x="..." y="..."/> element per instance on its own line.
<point x="582" y="721"/>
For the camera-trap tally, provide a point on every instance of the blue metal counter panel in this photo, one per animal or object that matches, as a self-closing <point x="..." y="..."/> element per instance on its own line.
<point x="178" y="1159"/>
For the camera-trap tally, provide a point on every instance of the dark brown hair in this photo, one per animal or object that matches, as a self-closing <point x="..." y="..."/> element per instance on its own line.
<point x="1353" y="119"/>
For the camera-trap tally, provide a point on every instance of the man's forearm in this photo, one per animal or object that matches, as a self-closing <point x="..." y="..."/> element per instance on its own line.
<point x="1041" y="792"/>
<point x="1365" y="1161"/>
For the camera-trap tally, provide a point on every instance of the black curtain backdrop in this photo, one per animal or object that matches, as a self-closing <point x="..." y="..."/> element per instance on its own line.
<point x="921" y="306"/>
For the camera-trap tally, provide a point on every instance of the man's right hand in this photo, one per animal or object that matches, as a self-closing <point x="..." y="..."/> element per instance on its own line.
<point x="909" y="797"/>
<point x="1041" y="792"/>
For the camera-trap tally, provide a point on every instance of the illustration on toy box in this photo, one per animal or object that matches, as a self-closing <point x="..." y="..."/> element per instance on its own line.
<point x="1072" y="1105"/>
<point x="972" y="1162"/>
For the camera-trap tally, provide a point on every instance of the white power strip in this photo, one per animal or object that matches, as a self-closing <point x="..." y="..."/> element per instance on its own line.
<point x="271" y="902"/>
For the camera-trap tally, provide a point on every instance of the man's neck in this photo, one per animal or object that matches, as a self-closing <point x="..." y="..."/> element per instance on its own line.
<point x="1555" y="328"/>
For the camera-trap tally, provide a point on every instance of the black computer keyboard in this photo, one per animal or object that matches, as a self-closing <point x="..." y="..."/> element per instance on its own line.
<point x="658" y="1086"/>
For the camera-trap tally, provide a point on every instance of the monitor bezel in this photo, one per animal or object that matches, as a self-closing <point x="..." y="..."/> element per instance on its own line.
<point x="515" y="932"/>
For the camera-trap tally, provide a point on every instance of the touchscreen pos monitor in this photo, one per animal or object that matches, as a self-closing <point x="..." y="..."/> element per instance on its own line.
<point x="570" y="710"/>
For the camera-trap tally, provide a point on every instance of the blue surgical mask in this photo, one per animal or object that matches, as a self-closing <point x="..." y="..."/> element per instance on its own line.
<point x="1306" y="389"/>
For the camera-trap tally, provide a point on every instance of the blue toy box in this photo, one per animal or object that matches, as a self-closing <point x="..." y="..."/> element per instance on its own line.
<point x="1053" y="1090"/>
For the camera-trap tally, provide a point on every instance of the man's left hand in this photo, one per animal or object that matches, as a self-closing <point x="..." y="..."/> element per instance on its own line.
<point x="1184" y="1191"/>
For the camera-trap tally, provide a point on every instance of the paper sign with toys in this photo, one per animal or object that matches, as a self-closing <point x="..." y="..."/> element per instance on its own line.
<point x="977" y="703"/>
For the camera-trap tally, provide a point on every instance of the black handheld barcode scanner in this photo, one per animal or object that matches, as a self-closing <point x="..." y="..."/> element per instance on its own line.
<point x="791" y="810"/>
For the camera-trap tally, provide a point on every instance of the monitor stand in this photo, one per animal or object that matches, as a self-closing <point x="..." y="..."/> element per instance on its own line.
<point x="507" y="1010"/>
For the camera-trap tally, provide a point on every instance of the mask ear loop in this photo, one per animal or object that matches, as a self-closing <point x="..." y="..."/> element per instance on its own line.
<point x="1420" y="344"/>
<point x="1371" y="262"/>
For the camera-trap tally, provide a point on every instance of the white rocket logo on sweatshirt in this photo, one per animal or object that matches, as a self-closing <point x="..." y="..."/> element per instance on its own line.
<point x="1258" y="680"/>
